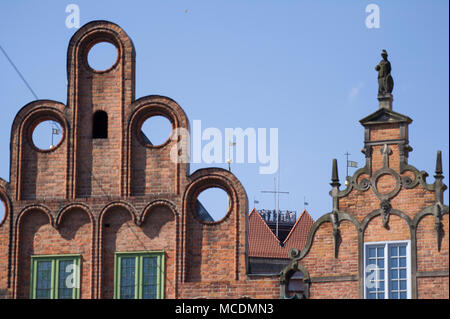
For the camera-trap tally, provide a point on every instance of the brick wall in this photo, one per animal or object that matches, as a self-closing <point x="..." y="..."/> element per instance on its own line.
<point x="98" y="196"/>
<point x="386" y="200"/>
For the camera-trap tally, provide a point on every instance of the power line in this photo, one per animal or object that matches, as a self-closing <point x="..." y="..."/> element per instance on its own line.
<point x="18" y="72"/>
<point x="54" y="127"/>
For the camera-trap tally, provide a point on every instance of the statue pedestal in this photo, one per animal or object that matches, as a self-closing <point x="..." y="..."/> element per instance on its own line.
<point x="385" y="101"/>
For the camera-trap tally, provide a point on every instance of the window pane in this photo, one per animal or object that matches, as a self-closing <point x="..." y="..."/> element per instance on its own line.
<point x="394" y="274"/>
<point x="372" y="261"/>
<point x="402" y="273"/>
<point x="394" y="250"/>
<point x="380" y="263"/>
<point x="44" y="279"/>
<point x="149" y="277"/>
<point x="394" y="285"/>
<point x="402" y="284"/>
<point x="394" y="262"/>
<point x="65" y="284"/>
<point x="403" y="262"/>
<point x="127" y="277"/>
<point x="398" y="272"/>
<point x="372" y="251"/>
<point x="380" y="252"/>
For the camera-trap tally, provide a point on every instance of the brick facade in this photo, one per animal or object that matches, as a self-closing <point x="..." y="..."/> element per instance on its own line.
<point x="387" y="200"/>
<point x="95" y="197"/>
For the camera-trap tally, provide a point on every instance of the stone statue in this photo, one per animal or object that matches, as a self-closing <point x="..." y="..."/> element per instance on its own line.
<point x="385" y="81"/>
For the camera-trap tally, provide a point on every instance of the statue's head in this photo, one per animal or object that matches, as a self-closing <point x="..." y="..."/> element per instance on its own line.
<point x="384" y="54"/>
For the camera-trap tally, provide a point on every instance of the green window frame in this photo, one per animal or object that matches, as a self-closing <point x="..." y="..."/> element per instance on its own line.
<point x="129" y="268"/>
<point x="51" y="268"/>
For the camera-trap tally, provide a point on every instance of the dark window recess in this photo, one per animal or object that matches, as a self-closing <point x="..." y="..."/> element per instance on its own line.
<point x="100" y="125"/>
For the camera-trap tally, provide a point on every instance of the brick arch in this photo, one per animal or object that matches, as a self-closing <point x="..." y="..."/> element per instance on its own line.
<point x="94" y="32"/>
<point x="431" y="230"/>
<point x="157" y="203"/>
<point x="154" y="105"/>
<point x="6" y="200"/>
<point x="86" y="95"/>
<point x="36" y="207"/>
<point x="127" y="206"/>
<point x="6" y="223"/>
<point x="327" y="218"/>
<point x="286" y="275"/>
<point x="25" y="157"/>
<point x="71" y="206"/>
<point x="431" y="210"/>
<point x="159" y="231"/>
<point x="38" y="217"/>
<point x="214" y="177"/>
<point x="142" y="157"/>
<point x="215" y="260"/>
<point x="399" y="227"/>
<point x="118" y="214"/>
<point x="395" y="212"/>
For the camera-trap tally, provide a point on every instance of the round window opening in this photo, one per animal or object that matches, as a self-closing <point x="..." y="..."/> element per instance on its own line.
<point x="47" y="135"/>
<point x="2" y="211"/>
<point x="156" y="130"/>
<point x="212" y="204"/>
<point x="102" y="56"/>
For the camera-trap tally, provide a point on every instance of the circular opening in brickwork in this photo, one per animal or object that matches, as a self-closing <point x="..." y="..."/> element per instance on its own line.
<point x="2" y="211"/>
<point x="156" y="130"/>
<point x="212" y="204"/>
<point x="102" y="56"/>
<point x="385" y="184"/>
<point x="47" y="135"/>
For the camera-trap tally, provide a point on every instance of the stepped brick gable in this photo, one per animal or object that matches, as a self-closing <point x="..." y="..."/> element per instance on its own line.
<point x="98" y="196"/>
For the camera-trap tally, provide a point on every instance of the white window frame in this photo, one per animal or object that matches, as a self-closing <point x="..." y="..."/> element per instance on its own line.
<point x="386" y="265"/>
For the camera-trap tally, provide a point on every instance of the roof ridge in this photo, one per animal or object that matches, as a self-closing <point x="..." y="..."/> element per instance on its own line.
<point x="304" y="212"/>
<point x="266" y="226"/>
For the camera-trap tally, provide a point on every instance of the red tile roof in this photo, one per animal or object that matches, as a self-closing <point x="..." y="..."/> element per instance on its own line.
<point x="263" y="242"/>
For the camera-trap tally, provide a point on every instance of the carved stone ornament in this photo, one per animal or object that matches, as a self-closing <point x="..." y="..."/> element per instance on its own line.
<point x="336" y="233"/>
<point x="385" y="213"/>
<point x="385" y="81"/>
<point x="438" y="227"/>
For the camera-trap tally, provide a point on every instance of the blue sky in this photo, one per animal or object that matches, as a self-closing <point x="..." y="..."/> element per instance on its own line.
<point x="304" y="67"/>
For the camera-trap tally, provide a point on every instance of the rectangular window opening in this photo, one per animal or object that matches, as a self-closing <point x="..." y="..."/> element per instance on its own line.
<point x="387" y="270"/>
<point x="55" y="277"/>
<point x="139" y="275"/>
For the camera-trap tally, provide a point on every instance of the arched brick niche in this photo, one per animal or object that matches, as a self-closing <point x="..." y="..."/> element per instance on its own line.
<point x="156" y="168"/>
<point x="40" y="235"/>
<point x="39" y="173"/>
<point x="209" y="254"/>
<point x="5" y="247"/>
<point x="89" y="91"/>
